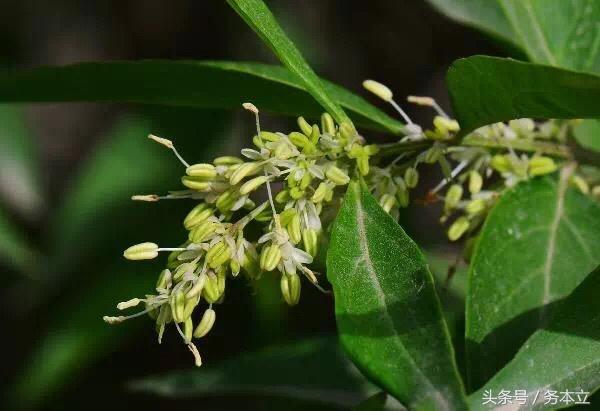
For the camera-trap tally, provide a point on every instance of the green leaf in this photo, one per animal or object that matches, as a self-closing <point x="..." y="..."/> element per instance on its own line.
<point x="376" y="402"/>
<point x="200" y="84"/>
<point x="587" y="134"/>
<point x="258" y="16"/>
<point x="20" y="183"/>
<point x="388" y="314"/>
<point x="538" y="243"/>
<point x="484" y="15"/>
<point x="487" y="90"/>
<point x="559" y="33"/>
<point x="314" y="369"/>
<point x="76" y="337"/>
<point x="15" y="251"/>
<point x="562" y="356"/>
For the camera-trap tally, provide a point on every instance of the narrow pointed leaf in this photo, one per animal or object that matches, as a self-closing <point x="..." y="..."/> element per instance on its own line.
<point x="258" y="16"/>
<point x="200" y="84"/>
<point x="487" y="90"/>
<point x="388" y="314"/>
<point x="563" y="356"/>
<point x="314" y="369"/>
<point x="538" y="243"/>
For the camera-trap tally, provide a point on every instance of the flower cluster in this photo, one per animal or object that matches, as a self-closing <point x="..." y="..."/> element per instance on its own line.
<point x="299" y="177"/>
<point x="308" y="167"/>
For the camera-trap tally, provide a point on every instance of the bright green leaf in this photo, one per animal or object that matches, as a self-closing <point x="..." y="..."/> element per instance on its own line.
<point x="313" y="369"/>
<point x="200" y="84"/>
<point x="587" y="134"/>
<point x="562" y="356"/>
<point x="20" y="185"/>
<point x="559" y="33"/>
<point x="538" y="243"/>
<point x="258" y="16"/>
<point x="388" y="315"/>
<point x="487" y="90"/>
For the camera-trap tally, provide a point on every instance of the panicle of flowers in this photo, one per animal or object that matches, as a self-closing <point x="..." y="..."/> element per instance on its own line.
<point x="300" y="174"/>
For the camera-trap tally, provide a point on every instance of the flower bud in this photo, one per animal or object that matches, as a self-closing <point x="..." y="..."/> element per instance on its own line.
<point x="143" y="251"/>
<point x="293" y="229"/>
<point x="164" y="280"/>
<point x="296" y="193"/>
<point x="539" y="166"/>
<point x="446" y="125"/>
<point x="380" y="90"/>
<point x="183" y="269"/>
<point x="298" y="139"/>
<point x="337" y="176"/>
<point x="196" y="183"/>
<point x="327" y="124"/>
<point x="433" y="154"/>
<point x="363" y="165"/>
<point x="283" y="151"/>
<point x="251" y="185"/>
<point x="249" y="263"/>
<point x="128" y="304"/>
<point x="244" y="170"/>
<point x="581" y="184"/>
<point x="206" y="323"/>
<point x="178" y="306"/>
<point x="270" y="257"/>
<point x="198" y="214"/>
<point x="190" y="304"/>
<point x="218" y="255"/>
<point x="227" y="161"/>
<point x="306" y="180"/>
<point x="411" y="177"/>
<point x="453" y="196"/>
<point x="304" y="126"/>
<point x="458" y="228"/>
<point x="203" y="231"/>
<point x="347" y="132"/>
<point x="475" y="182"/>
<point x="319" y="193"/>
<point x="315" y="134"/>
<point x="310" y="239"/>
<point x="386" y="202"/>
<point x="197" y="287"/>
<point x="164" y="315"/>
<point x="285" y="217"/>
<point x="269" y="136"/>
<point x="188" y="329"/>
<point x="206" y="171"/>
<point x="501" y="163"/>
<point x="235" y="267"/>
<point x="475" y="206"/>
<point x="210" y="292"/>
<point x="290" y="288"/>
<point x="221" y="279"/>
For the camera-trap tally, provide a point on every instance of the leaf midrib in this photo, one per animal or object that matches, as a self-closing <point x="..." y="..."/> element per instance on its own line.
<point x="370" y="268"/>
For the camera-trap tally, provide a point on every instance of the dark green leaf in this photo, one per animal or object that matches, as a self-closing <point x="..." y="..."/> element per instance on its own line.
<point x="376" y="402"/>
<point x="200" y="84"/>
<point x="538" y="243"/>
<point x="77" y="336"/>
<point x="258" y="16"/>
<point x="388" y="315"/>
<point x="487" y="90"/>
<point x="20" y="185"/>
<point x="14" y="248"/>
<point x="311" y="370"/>
<point x="484" y="15"/>
<point x="562" y="356"/>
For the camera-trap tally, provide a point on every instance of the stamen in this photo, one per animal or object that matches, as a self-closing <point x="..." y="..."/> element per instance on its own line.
<point x="401" y="112"/>
<point x="195" y="353"/>
<point x="121" y="318"/>
<point x="428" y="102"/>
<point x="145" y="197"/>
<point x="453" y="174"/>
<point x="172" y="249"/>
<point x="169" y="144"/>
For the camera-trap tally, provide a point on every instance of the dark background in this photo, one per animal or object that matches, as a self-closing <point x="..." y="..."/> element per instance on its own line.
<point x="406" y="44"/>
